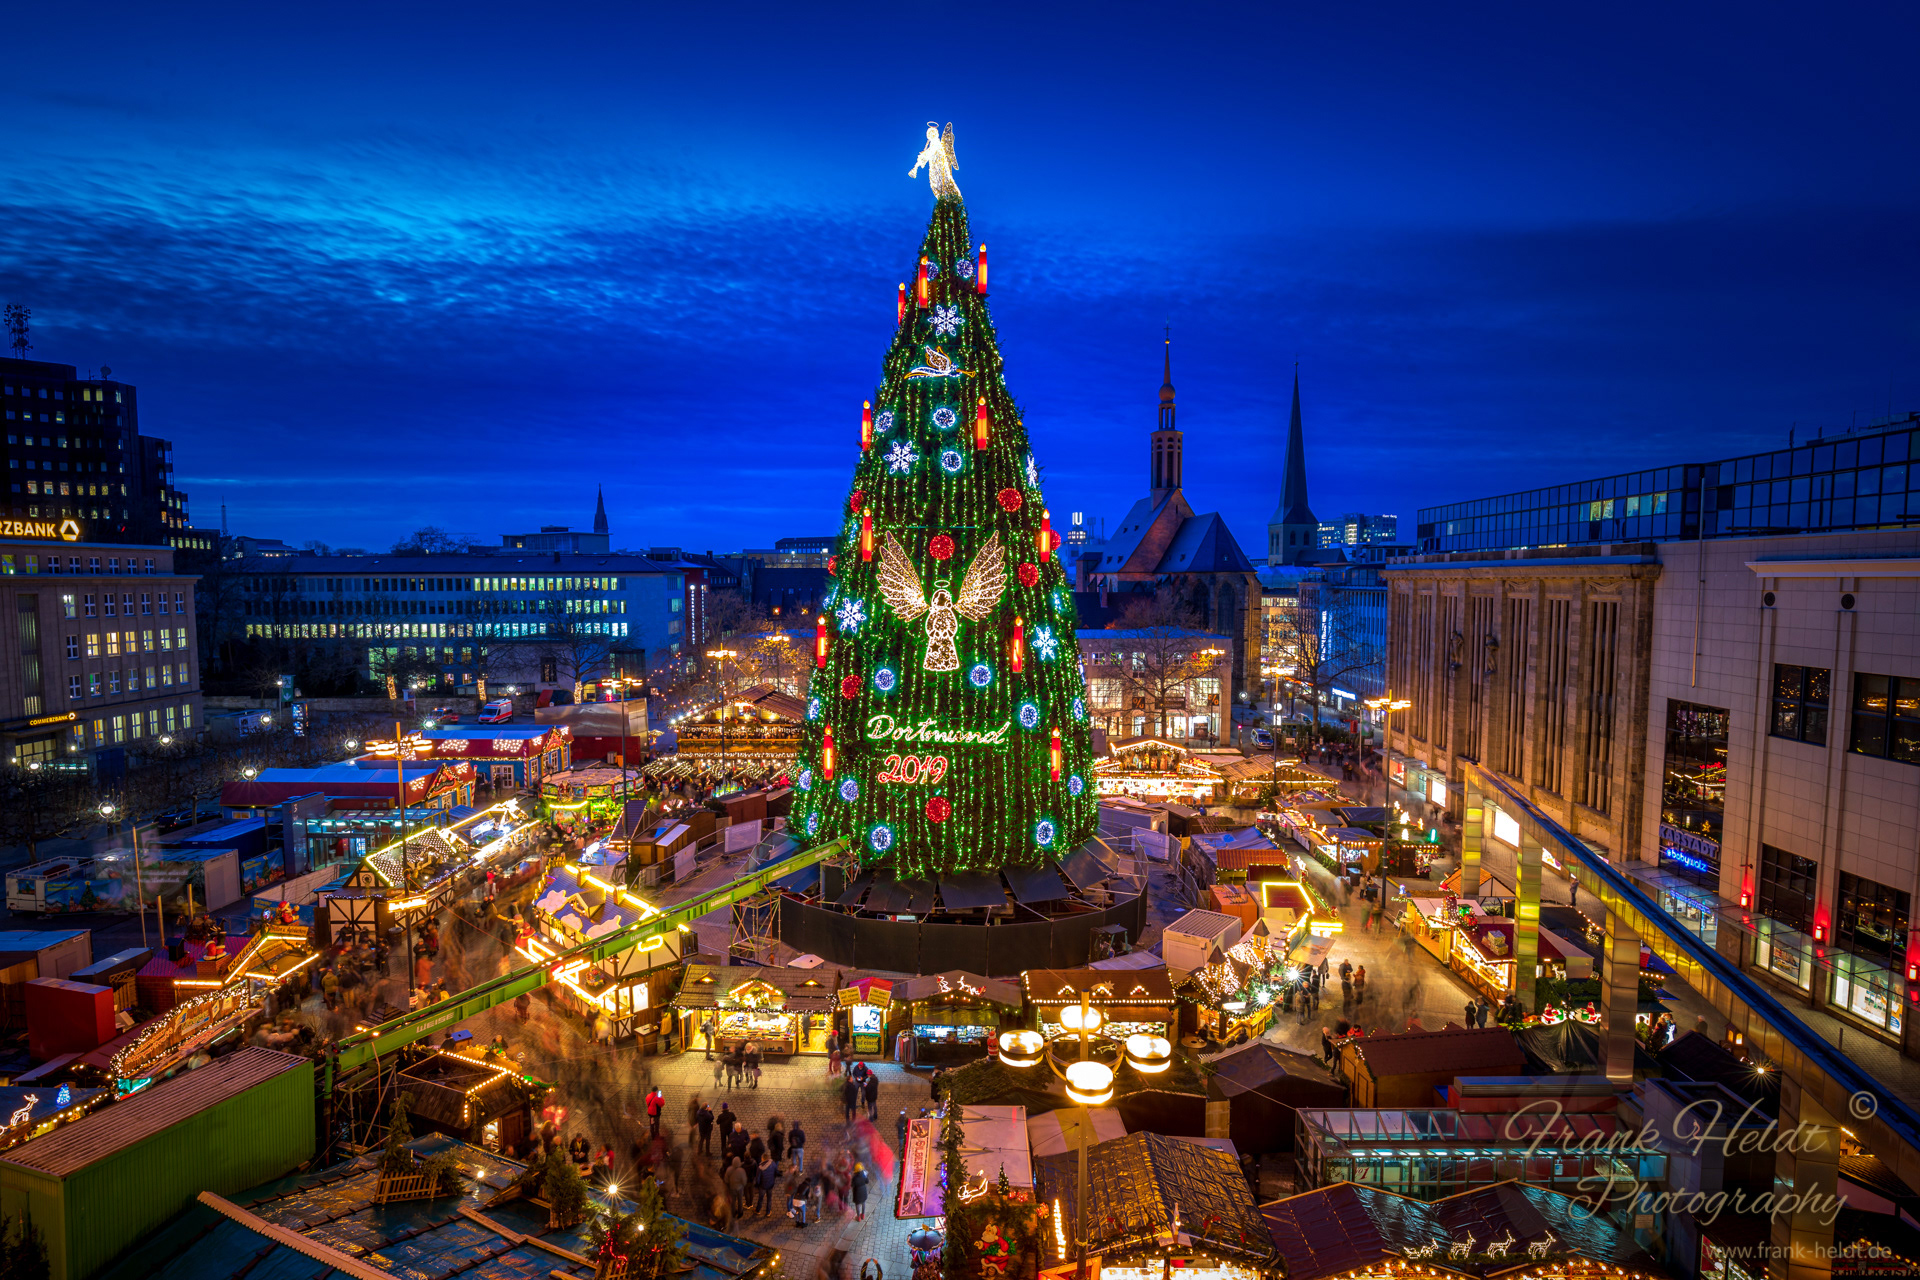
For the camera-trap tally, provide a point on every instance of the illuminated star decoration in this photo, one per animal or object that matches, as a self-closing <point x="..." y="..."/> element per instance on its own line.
<point x="944" y="418"/>
<point x="851" y="614"/>
<point x="951" y="461"/>
<point x="946" y="321"/>
<point x="1045" y="643"/>
<point x="901" y="457"/>
<point x="883" y="421"/>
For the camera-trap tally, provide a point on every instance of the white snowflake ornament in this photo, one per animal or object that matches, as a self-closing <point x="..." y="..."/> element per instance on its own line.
<point x="901" y="457"/>
<point x="1033" y="472"/>
<point x="1045" y="643"/>
<point x="851" y="614"/>
<point x="946" y="321"/>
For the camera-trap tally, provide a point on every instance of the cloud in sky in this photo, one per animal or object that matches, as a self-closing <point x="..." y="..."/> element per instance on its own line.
<point x="462" y="277"/>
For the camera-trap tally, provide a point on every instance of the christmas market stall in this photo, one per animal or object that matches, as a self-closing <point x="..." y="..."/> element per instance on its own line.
<point x="587" y="794"/>
<point x="578" y="906"/>
<point x="1264" y="1086"/>
<point x="951" y="1017"/>
<point x="993" y="1145"/>
<point x="484" y="1103"/>
<point x="1157" y="769"/>
<point x="784" y="1011"/>
<point x="40" y="1109"/>
<point x="753" y="737"/>
<point x="1352" y="1232"/>
<point x="865" y="1004"/>
<point x="1154" y="1205"/>
<point x="1131" y="1002"/>
<point x="1404" y="1070"/>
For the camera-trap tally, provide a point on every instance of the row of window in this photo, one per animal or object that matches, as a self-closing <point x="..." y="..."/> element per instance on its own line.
<point x="136" y="642"/>
<point x="38" y="488"/>
<point x="156" y="604"/>
<point x="411" y="608"/>
<point x="129" y="727"/>
<point x="106" y="684"/>
<point x="432" y="630"/>
<point x="318" y="586"/>
<point x="94" y="395"/>
<point x="1886" y="711"/>
<point x="31" y="562"/>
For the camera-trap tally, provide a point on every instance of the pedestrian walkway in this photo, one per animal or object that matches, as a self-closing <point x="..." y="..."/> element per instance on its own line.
<point x="800" y="1090"/>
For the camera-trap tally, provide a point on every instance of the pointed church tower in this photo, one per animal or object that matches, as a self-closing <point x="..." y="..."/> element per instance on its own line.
<point x="1293" y="533"/>
<point x="1163" y="464"/>
<point x="599" y="510"/>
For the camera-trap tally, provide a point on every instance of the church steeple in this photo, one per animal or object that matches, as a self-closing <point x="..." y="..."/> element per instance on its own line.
<point x="1164" y="450"/>
<point x="599" y="510"/>
<point x="1293" y="531"/>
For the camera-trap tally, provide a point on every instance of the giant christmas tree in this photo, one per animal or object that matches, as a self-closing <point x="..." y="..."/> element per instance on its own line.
<point x="947" y="716"/>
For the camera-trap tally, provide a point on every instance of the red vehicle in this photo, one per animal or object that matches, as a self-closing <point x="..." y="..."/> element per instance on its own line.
<point x="444" y="715"/>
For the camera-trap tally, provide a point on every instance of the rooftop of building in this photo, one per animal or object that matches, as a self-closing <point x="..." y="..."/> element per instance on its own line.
<point x="463" y="563"/>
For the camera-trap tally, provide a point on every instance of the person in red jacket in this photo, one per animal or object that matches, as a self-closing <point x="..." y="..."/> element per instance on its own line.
<point x="656" y="1101"/>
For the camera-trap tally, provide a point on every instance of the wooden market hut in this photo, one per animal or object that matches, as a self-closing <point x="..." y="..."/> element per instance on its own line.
<point x="952" y="1017"/>
<point x="1260" y="1086"/>
<point x="1406" y="1070"/>
<point x="469" y="1099"/>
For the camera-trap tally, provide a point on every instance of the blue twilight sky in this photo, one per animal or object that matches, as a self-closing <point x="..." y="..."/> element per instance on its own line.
<point x="379" y="266"/>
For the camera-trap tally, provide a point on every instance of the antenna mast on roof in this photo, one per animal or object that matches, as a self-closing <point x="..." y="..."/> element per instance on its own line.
<point x="17" y="318"/>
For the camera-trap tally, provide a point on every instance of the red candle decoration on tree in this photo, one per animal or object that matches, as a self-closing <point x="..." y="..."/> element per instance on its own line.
<point x="866" y="425"/>
<point x="940" y="547"/>
<point x="938" y="809"/>
<point x="1018" y="655"/>
<point x="980" y="277"/>
<point x="1053" y="752"/>
<point x="1029" y="574"/>
<point x="980" y="426"/>
<point x="1044" y="537"/>
<point x="866" y="533"/>
<point x="826" y="756"/>
<point x="900" y="308"/>
<point x="921" y="293"/>
<point x="1010" y="499"/>
<point x="820" y="642"/>
<point x="833" y="564"/>
<point x="850" y="686"/>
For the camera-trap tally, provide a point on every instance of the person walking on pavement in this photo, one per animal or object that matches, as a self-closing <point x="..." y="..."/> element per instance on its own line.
<point x="1573" y="894"/>
<point x="726" y="1119"/>
<point x="1360" y="985"/>
<point x="850" y="1096"/>
<point x="900" y="1131"/>
<point x="705" y="1121"/>
<point x="797" y="1146"/>
<point x="737" y="1186"/>
<point x="1473" y="1013"/>
<point x="763" y="1184"/>
<point x="860" y="1193"/>
<point x="776" y="1140"/>
<point x="871" y="1090"/>
<point x="656" y="1102"/>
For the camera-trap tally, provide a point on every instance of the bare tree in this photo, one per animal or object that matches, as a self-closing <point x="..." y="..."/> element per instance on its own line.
<point x="429" y="540"/>
<point x="1158" y="663"/>
<point x="38" y="804"/>
<point x="1321" y="641"/>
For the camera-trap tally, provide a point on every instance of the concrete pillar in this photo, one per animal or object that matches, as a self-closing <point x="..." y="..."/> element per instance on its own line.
<point x="1807" y="1167"/>
<point x="1619" y="996"/>
<point x="1472" y="814"/>
<point x="1526" y="919"/>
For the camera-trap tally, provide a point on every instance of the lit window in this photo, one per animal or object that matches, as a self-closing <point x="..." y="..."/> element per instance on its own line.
<point x="93" y="645"/>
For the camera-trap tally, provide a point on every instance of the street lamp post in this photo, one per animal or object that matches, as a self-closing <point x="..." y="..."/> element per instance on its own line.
<point x="1089" y="1083"/>
<point x="107" y="810"/>
<point x="726" y="703"/>
<point x="1387" y="706"/>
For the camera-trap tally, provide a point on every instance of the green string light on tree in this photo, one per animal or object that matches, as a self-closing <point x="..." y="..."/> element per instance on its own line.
<point x="951" y="695"/>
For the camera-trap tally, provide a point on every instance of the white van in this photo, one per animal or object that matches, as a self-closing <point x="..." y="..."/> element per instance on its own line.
<point x="497" y="712"/>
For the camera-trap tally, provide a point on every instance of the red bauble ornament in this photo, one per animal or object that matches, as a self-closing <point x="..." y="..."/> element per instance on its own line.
<point x="831" y="562"/>
<point x="940" y="547"/>
<point x="849" y="686"/>
<point x="853" y="503"/>
<point x="1010" y="499"/>
<point x="1053" y="540"/>
<point x="938" y="810"/>
<point x="1029" y="574"/>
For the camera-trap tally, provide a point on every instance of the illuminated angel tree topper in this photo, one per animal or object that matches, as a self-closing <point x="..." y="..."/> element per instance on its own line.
<point x="947" y="719"/>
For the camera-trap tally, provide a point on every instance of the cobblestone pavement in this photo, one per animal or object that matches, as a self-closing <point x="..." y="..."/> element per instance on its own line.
<point x="799" y="1090"/>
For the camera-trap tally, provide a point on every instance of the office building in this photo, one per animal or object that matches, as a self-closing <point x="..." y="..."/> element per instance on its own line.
<point x="1859" y="480"/>
<point x="1732" y="717"/>
<point x="1358" y="529"/>
<point x="531" y="620"/>
<point x="103" y="658"/>
<point x="564" y="539"/>
<point x="74" y="452"/>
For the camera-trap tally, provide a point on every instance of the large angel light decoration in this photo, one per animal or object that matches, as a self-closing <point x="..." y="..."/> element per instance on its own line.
<point x="980" y="591"/>
<point x="937" y="156"/>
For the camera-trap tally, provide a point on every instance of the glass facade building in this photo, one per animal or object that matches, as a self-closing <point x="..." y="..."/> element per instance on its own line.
<point x="1862" y="480"/>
